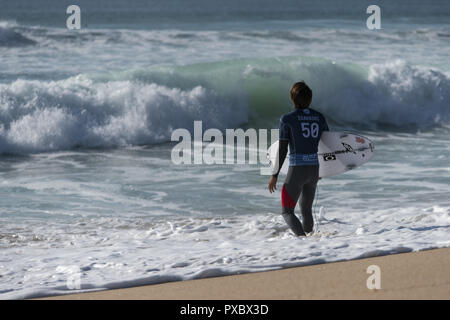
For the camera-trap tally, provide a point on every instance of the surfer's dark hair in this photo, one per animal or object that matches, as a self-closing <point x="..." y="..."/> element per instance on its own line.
<point x="301" y="95"/>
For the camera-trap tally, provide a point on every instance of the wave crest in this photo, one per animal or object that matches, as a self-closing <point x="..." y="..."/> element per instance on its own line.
<point x="145" y="106"/>
<point x="77" y="112"/>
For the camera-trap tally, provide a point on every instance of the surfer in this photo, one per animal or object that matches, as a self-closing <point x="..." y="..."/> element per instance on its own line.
<point x="301" y="130"/>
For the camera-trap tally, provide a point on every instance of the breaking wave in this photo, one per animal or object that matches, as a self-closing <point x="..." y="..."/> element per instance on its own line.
<point x="136" y="107"/>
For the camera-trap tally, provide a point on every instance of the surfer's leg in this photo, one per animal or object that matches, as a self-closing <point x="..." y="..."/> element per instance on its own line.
<point x="307" y="197"/>
<point x="289" y="196"/>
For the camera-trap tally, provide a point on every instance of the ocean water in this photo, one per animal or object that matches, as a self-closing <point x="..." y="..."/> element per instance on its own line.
<point x="88" y="188"/>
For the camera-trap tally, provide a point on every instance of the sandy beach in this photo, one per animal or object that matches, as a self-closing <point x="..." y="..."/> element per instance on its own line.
<point x="415" y="275"/>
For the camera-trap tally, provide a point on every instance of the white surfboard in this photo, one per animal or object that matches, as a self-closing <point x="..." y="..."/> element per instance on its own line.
<point x="338" y="153"/>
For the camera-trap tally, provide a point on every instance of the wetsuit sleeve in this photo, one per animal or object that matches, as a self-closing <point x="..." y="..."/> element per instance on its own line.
<point x="284" y="130"/>
<point x="282" y="152"/>
<point x="283" y="146"/>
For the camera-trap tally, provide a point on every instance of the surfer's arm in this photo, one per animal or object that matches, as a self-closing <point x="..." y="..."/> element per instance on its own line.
<point x="282" y="152"/>
<point x="283" y="142"/>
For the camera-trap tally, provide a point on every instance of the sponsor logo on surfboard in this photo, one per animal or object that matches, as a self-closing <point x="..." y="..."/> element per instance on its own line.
<point x="348" y="148"/>
<point x="329" y="157"/>
<point x="360" y="140"/>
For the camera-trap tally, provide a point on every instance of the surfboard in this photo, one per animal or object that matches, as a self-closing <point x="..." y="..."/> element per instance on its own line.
<point x="338" y="152"/>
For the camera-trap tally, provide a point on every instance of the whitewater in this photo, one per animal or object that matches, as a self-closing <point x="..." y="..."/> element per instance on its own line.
<point x="87" y="184"/>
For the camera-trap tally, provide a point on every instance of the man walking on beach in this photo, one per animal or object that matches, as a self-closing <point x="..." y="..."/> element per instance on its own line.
<point x="301" y="130"/>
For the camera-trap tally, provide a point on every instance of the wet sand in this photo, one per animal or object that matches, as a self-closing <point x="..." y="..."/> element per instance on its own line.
<point x="415" y="275"/>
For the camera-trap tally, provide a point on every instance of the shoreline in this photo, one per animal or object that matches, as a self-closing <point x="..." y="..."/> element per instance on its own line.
<point x="413" y="275"/>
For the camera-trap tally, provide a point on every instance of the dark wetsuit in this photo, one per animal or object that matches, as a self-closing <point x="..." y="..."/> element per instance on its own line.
<point x="301" y="131"/>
